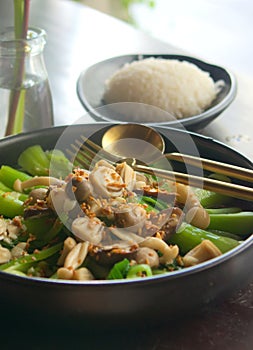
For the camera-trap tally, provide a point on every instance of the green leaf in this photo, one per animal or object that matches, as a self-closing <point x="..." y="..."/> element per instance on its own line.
<point x="119" y="270"/>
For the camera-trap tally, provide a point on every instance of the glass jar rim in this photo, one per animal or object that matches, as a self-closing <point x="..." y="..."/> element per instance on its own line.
<point x="32" y="44"/>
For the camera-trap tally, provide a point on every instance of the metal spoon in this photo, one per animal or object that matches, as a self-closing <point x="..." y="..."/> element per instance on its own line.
<point x="138" y="137"/>
<point x="133" y="141"/>
<point x="143" y="144"/>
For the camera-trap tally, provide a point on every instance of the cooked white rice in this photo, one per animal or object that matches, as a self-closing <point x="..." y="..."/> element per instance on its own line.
<point x="178" y="87"/>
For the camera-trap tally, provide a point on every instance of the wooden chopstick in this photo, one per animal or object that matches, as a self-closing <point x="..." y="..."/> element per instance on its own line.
<point x="226" y="188"/>
<point x="214" y="166"/>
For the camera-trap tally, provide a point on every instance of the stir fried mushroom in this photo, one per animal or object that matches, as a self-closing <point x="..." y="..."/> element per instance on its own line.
<point x="196" y="214"/>
<point x="204" y="251"/>
<point x="131" y="216"/>
<point x="157" y="192"/>
<point x="88" y="229"/>
<point x="148" y="256"/>
<point x="106" y="182"/>
<point x="103" y="162"/>
<point x="107" y="256"/>
<point x="80" y="187"/>
<point x="58" y="200"/>
<point x="125" y="236"/>
<point x="169" y="253"/>
<point x="165" y="223"/>
<point x="198" y="217"/>
<point x="37" y="194"/>
<point x="127" y="174"/>
<point x="36" y="181"/>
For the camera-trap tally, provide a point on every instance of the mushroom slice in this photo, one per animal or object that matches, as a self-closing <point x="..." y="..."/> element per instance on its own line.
<point x="88" y="229"/>
<point x="169" y="252"/>
<point x="103" y="162"/>
<point x="167" y="222"/>
<point x="106" y="182"/>
<point x="107" y="256"/>
<point x="127" y="174"/>
<point x="195" y="213"/>
<point x="148" y="256"/>
<point x="130" y="216"/>
<point x="204" y="251"/>
<point x="36" y="181"/>
<point x="58" y="200"/>
<point x="124" y="235"/>
<point x="38" y="194"/>
<point x="79" y="187"/>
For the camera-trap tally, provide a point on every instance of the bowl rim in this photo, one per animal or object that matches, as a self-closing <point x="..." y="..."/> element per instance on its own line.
<point x="246" y="244"/>
<point x="188" y="121"/>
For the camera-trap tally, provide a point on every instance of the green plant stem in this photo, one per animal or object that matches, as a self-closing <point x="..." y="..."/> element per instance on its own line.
<point x="17" y="96"/>
<point x="26" y="260"/>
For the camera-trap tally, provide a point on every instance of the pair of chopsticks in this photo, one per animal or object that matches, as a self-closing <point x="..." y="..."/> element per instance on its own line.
<point x="88" y="149"/>
<point x="226" y="188"/>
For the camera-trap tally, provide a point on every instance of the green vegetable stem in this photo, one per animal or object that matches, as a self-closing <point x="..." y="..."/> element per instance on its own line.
<point x="139" y="271"/>
<point x="209" y="199"/>
<point x="24" y="262"/>
<point x="119" y="270"/>
<point x="45" y="229"/>
<point x="60" y="166"/>
<point x="38" y="162"/>
<point x="4" y="189"/>
<point x="228" y="210"/>
<point x="9" y="175"/>
<point x="10" y="206"/>
<point x="238" y="223"/>
<point x="189" y="237"/>
<point x="34" y="160"/>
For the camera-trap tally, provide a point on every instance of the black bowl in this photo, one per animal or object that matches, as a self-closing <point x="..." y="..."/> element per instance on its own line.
<point x="151" y="300"/>
<point x="91" y="87"/>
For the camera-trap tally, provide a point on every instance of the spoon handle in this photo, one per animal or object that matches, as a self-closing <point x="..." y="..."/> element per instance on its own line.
<point x="226" y="188"/>
<point x="214" y="166"/>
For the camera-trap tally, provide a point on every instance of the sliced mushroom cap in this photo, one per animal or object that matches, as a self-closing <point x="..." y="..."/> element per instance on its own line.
<point x="127" y="174"/>
<point x="172" y="222"/>
<point x="195" y="213"/>
<point x="111" y="255"/>
<point x="37" y="209"/>
<point x="204" y="251"/>
<point x="58" y="201"/>
<point x="106" y="182"/>
<point x="148" y="256"/>
<point x="80" y="187"/>
<point x="38" y="194"/>
<point x="131" y="216"/>
<point x="88" y="229"/>
<point x="36" y="181"/>
<point x="165" y="223"/>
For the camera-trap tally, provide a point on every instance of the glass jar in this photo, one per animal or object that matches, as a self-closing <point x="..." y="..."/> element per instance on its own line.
<point x="25" y="96"/>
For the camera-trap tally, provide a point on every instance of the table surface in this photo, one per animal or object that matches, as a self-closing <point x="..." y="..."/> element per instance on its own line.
<point x="77" y="38"/>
